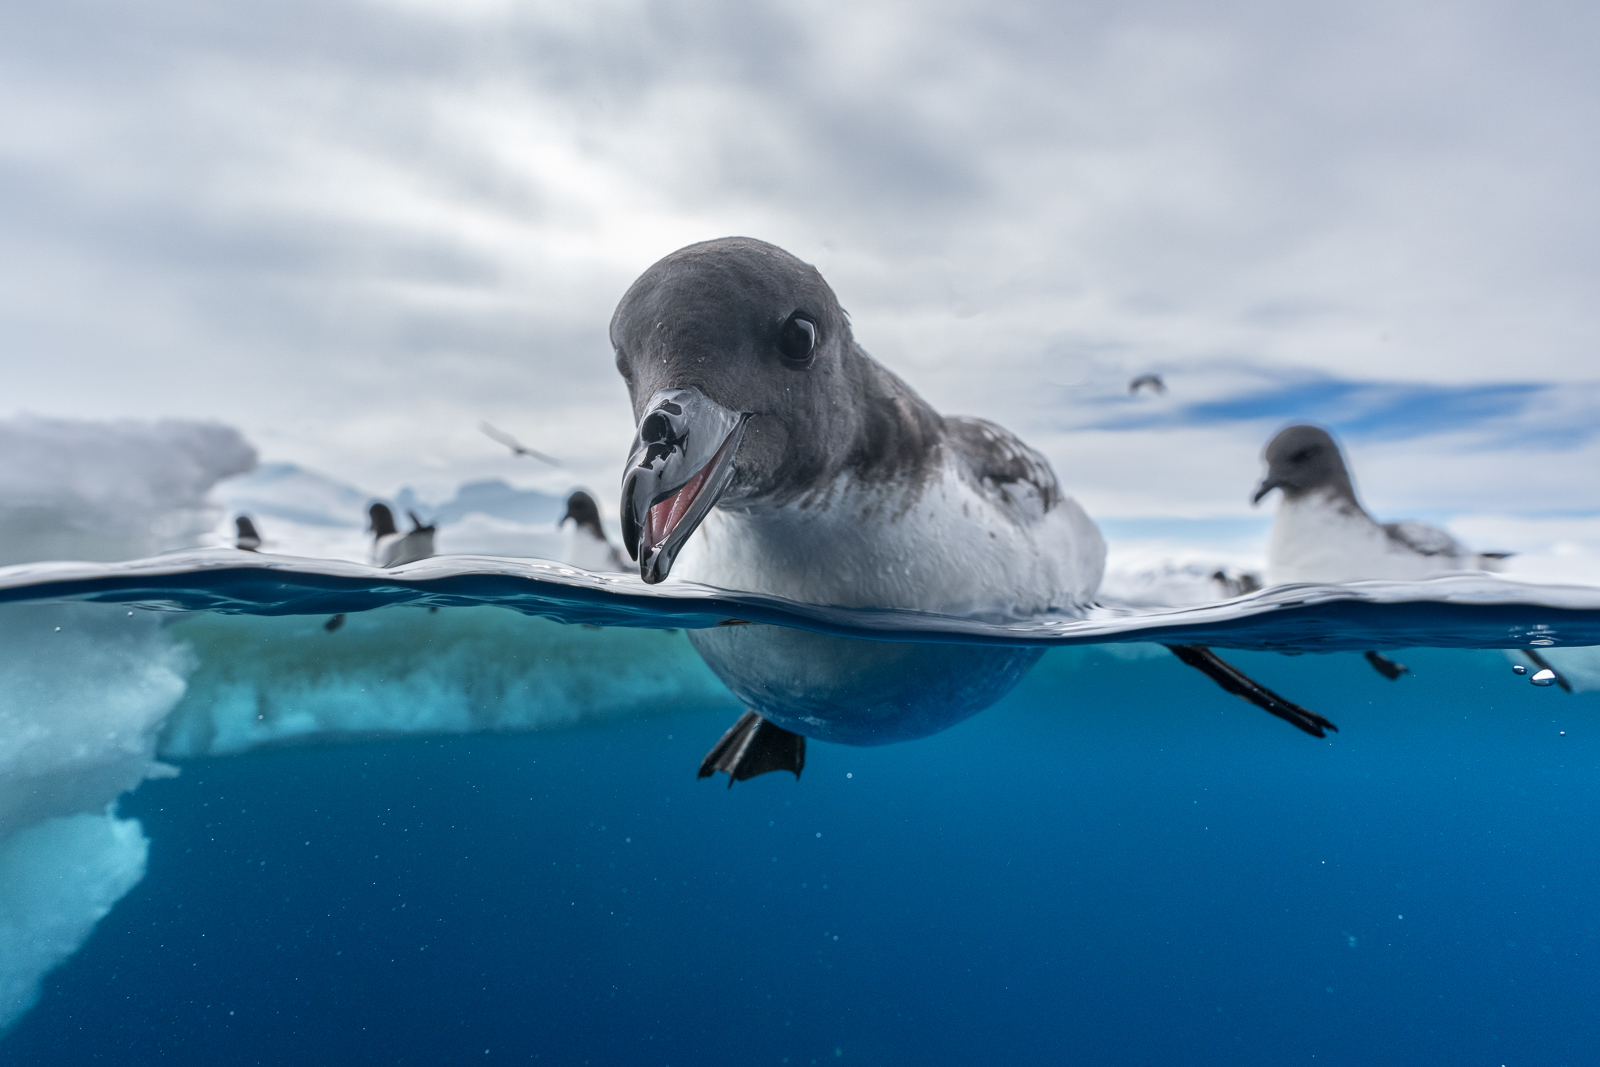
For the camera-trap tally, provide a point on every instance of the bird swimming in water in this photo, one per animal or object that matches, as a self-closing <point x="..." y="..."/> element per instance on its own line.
<point x="587" y="545"/>
<point x="246" y="538"/>
<point x="390" y="547"/>
<point x="806" y="470"/>
<point x="1322" y="534"/>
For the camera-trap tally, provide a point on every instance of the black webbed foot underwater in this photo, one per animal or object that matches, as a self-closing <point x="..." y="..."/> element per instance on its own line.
<point x="754" y="746"/>
<point x="1238" y="683"/>
<point x="1386" y="666"/>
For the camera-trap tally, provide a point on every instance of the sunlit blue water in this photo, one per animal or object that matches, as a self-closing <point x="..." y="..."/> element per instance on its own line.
<point x="1119" y="863"/>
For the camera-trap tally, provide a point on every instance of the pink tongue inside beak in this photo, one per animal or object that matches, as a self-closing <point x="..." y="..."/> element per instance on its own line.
<point x="664" y="517"/>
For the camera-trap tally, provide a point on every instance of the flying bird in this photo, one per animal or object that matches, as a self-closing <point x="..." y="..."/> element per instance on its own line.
<point x="517" y="447"/>
<point x="1152" y="382"/>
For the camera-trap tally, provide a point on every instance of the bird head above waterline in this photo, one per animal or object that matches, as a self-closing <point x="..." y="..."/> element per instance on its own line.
<point x="583" y="512"/>
<point x="1304" y="459"/>
<point x="380" y="521"/>
<point x="748" y="390"/>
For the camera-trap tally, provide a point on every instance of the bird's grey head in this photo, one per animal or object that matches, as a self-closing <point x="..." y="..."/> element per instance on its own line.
<point x="747" y="388"/>
<point x="584" y="513"/>
<point x="1304" y="459"/>
<point x="380" y="521"/>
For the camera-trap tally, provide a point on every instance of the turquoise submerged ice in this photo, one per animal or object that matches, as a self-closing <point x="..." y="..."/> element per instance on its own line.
<point x="119" y="674"/>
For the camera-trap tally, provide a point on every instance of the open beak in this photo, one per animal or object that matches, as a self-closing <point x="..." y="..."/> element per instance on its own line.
<point x="1266" y="487"/>
<point x="682" y="461"/>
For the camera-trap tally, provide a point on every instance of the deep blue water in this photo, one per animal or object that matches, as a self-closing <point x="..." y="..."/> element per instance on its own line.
<point x="1117" y="864"/>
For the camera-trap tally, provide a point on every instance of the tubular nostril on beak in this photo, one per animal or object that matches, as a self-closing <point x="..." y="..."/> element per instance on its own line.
<point x="655" y="428"/>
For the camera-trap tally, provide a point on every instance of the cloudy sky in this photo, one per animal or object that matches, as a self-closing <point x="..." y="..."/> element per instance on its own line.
<point x="354" y="228"/>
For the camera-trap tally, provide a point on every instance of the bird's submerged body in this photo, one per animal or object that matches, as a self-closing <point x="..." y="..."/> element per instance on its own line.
<point x="946" y="545"/>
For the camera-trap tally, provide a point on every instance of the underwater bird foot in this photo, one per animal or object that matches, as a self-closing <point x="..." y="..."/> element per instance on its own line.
<point x="1386" y="666"/>
<point x="1237" y="682"/>
<point x="754" y="746"/>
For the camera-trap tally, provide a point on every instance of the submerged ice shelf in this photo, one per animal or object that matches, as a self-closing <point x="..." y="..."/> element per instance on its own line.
<point x="1467" y="610"/>
<point x="100" y="694"/>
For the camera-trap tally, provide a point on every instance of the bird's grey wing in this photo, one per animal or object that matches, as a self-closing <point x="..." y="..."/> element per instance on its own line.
<point x="1423" y="539"/>
<point x="1004" y="469"/>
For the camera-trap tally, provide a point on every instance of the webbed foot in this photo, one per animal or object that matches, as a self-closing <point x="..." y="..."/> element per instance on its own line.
<point x="1386" y="666"/>
<point x="1241" y="684"/>
<point x="754" y="746"/>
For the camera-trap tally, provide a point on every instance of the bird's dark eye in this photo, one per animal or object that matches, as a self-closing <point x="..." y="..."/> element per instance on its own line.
<point x="798" y="338"/>
<point x="1303" y="455"/>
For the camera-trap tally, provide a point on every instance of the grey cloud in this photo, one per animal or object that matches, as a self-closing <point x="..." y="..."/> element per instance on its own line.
<point x="307" y="216"/>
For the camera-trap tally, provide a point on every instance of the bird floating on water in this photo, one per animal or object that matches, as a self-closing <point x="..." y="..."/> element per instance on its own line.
<point x="390" y="547"/>
<point x="1322" y="534"/>
<point x="246" y="538"/>
<point x="587" y="545"/>
<point x="804" y="469"/>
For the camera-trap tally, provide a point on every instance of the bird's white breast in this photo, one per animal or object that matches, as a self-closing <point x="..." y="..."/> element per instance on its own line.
<point x="1321" y="538"/>
<point x="945" y="547"/>
<point x="583" y="549"/>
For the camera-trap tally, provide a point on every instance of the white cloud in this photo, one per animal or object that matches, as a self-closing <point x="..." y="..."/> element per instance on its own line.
<point x="355" y="229"/>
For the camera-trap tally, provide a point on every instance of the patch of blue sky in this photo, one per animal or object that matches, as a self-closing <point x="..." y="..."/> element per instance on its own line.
<point x="1360" y="410"/>
<point x="1373" y="410"/>
<point x="1505" y="415"/>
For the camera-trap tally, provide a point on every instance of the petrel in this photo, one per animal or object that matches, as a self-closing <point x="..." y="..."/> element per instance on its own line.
<point x="806" y="470"/>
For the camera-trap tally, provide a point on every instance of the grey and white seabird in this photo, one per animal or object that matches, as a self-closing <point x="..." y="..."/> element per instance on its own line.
<point x="390" y="547"/>
<point x="586" y="543"/>
<point x="806" y="470"/>
<point x="1322" y="534"/>
<point x="246" y="538"/>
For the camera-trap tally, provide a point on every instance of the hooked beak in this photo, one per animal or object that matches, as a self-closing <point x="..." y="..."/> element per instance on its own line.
<point x="1266" y="487"/>
<point x="682" y="461"/>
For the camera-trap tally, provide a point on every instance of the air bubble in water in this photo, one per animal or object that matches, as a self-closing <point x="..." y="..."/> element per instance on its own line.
<point x="1544" y="677"/>
<point x="1519" y="669"/>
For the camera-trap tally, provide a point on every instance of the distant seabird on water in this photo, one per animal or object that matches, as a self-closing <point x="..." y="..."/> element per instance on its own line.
<point x="1152" y="382"/>
<point x="587" y="545"/>
<point x="390" y="547"/>
<point x="806" y="470"/>
<point x="1322" y="534"/>
<point x="246" y="538"/>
